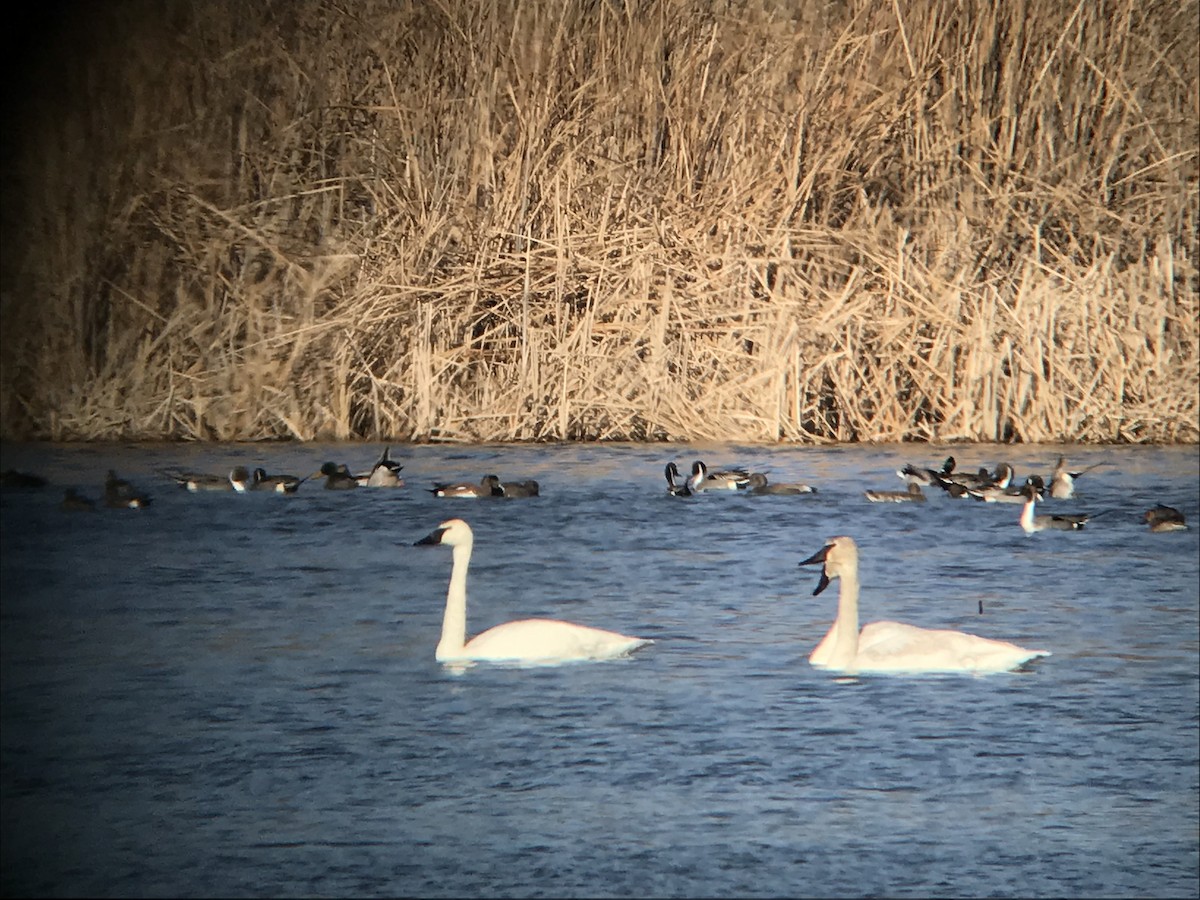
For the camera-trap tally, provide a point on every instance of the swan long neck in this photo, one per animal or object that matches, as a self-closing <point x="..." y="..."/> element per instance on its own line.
<point x="845" y="643"/>
<point x="454" y="621"/>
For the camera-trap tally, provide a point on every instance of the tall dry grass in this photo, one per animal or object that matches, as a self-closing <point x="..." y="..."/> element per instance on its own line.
<point x="506" y="220"/>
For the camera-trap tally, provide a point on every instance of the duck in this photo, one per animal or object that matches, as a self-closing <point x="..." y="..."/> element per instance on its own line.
<point x="337" y="477"/>
<point x="1034" y="489"/>
<point x="676" y="488"/>
<point x="723" y="480"/>
<point x="384" y="473"/>
<point x="993" y="493"/>
<point x="73" y="501"/>
<point x="121" y="494"/>
<point x="1164" y="518"/>
<point x="896" y="647"/>
<point x="758" y="484"/>
<point x="920" y="475"/>
<point x="238" y="480"/>
<point x="960" y="484"/>
<point x="1062" y="482"/>
<point x="280" y="484"/>
<point x="527" y="488"/>
<point x="530" y="641"/>
<point x="489" y="486"/>
<point x="914" y="494"/>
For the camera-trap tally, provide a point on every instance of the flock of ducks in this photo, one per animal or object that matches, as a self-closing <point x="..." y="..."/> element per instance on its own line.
<point x="878" y="647"/>
<point x="383" y="473"/>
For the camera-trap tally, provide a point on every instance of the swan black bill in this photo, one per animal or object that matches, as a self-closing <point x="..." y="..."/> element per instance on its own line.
<point x="819" y="557"/>
<point x="434" y="537"/>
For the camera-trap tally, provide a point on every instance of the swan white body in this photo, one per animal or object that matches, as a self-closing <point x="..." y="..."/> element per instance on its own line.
<point x="537" y="641"/>
<point x="894" y="647"/>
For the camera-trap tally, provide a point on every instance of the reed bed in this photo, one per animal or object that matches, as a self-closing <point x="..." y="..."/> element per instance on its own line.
<point x="530" y="221"/>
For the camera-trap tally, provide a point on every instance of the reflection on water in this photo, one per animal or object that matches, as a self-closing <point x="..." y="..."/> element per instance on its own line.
<point x="229" y="694"/>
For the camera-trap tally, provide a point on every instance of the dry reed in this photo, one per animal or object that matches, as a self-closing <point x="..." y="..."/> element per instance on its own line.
<point x="515" y="221"/>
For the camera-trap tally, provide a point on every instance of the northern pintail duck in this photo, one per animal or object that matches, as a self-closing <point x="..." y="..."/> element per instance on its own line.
<point x="238" y="480"/>
<point x="960" y="484"/>
<point x="758" y="484"/>
<point x="1062" y="482"/>
<point x="676" y="488"/>
<point x="530" y="641"/>
<point x="489" y="486"/>
<point x="280" y="484"/>
<point x="11" y="478"/>
<point x="1034" y="488"/>
<point x="723" y="480"/>
<point x="384" y="473"/>
<point x="528" y="488"/>
<point x="121" y="494"/>
<point x="337" y="476"/>
<point x="1010" y="493"/>
<point x="912" y="495"/>
<point x="73" y="501"/>
<point x="919" y="475"/>
<point x="894" y="647"/>
<point x="1164" y="518"/>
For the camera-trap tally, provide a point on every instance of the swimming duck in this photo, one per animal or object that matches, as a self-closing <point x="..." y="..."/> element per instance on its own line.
<point x="73" y="501"/>
<point x="723" y="480"/>
<point x="281" y="484"/>
<point x="1164" y="518"/>
<point x="238" y="480"/>
<point x="757" y="484"/>
<point x="384" y="473"/>
<point x="1062" y="482"/>
<point x="675" y="488"/>
<point x="919" y="475"/>
<point x="1034" y="489"/>
<point x="960" y="484"/>
<point x="914" y="494"/>
<point x="538" y="641"/>
<point x="894" y="647"/>
<point x="489" y="486"/>
<point x="337" y="476"/>
<point x="993" y="493"/>
<point x="528" y="488"/>
<point x="121" y="494"/>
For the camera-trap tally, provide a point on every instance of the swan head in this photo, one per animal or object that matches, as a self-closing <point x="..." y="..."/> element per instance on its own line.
<point x="454" y="532"/>
<point x="840" y="554"/>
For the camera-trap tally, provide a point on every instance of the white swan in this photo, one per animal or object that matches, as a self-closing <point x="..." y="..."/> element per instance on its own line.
<point x="894" y="647"/>
<point x="542" y="641"/>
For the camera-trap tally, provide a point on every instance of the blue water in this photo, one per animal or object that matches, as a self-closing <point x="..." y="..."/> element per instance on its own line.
<point x="233" y="694"/>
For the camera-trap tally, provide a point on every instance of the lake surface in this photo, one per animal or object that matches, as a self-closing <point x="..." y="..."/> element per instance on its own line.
<point x="236" y="694"/>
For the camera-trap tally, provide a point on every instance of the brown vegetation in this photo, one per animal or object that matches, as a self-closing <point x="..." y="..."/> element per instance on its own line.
<point x="509" y="220"/>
